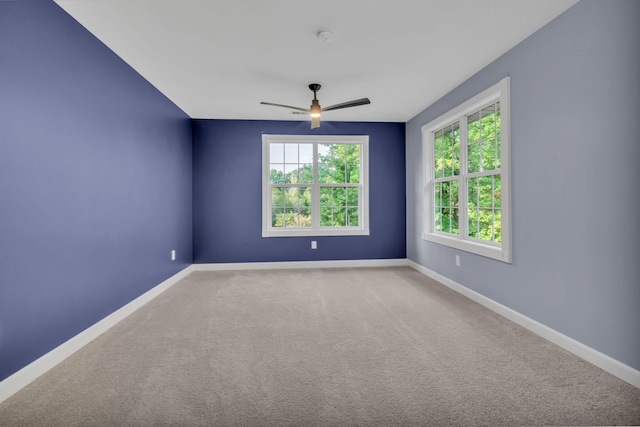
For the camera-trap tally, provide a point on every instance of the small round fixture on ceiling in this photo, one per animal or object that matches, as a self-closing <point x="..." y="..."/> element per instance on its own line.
<point x="325" y="36"/>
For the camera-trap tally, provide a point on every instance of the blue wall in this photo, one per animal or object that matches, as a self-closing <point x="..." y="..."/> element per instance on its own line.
<point x="227" y="198"/>
<point x="575" y="91"/>
<point x="95" y="182"/>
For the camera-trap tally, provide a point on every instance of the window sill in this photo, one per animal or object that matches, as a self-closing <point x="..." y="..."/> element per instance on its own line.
<point x="316" y="232"/>
<point x="494" y="252"/>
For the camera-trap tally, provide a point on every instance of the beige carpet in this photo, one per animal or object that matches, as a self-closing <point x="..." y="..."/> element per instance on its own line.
<point x="344" y="347"/>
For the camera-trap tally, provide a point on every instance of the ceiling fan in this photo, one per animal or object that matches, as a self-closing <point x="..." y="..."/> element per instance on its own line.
<point x="315" y="110"/>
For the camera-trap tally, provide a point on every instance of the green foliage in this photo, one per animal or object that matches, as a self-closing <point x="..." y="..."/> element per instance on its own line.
<point x="483" y="134"/>
<point x="291" y="207"/>
<point x="446" y="206"/>
<point x="484" y="213"/>
<point x="337" y="164"/>
<point x="339" y="206"/>
<point x="485" y="224"/>
<point x="483" y="192"/>
<point x="447" y="151"/>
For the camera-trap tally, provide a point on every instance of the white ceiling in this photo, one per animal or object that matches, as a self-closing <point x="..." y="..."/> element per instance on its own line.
<point x="220" y="58"/>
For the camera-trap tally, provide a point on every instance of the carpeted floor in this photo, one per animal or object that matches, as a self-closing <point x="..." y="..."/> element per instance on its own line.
<point x="330" y="347"/>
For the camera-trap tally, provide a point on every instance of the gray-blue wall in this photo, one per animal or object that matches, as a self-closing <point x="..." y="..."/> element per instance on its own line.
<point x="95" y="182"/>
<point x="227" y="194"/>
<point x="575" y="135"/>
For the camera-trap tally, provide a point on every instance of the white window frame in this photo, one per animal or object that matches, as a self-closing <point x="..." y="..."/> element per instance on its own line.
<point x="315" y="230"/>
<point x="499" y="251"/>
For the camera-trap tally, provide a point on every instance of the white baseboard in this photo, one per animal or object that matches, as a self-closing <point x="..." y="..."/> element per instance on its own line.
<point x="11" y="385"/>
<point x="602" y="361"/>
<point x="397" y="262"/>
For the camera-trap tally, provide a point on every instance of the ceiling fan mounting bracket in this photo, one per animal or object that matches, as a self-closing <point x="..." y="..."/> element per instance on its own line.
<point x="315" y="87"/>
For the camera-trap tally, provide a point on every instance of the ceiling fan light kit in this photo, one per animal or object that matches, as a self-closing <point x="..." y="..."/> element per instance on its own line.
<point x="315" y="110"/>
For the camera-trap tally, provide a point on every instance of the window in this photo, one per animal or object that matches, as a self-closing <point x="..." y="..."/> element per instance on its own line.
<point x="466" y="166"/>
<point x="315" y="185"/>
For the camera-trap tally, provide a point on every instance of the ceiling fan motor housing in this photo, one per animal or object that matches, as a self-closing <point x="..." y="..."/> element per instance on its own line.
<point x="315" y="110"/>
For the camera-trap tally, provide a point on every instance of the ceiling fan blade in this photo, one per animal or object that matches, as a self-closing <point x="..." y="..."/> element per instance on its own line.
<point x="354" y="103"/>
<point x="306" y="110"/>
<point x="315" y="122"/>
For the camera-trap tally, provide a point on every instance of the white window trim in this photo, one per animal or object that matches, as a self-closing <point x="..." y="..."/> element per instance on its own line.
<point x="501" y="251"/>
<point x="361" y="230"/>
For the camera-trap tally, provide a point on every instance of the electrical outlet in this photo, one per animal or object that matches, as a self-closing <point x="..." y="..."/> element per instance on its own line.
<point x="458" y="260"/>
<point x="173" y="255"/>
<point x="314" y="244"/>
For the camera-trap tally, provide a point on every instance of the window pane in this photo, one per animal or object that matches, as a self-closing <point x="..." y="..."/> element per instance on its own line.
<point x="497" y="191"/>
<point x="438" y="219"/>
<point x="453" y="221"/>
<point x="489" y="155"/>
<point x="486" y="191"/>
<point x="298" y="196"/>
<point x="291" y="217"/>
<point x="326" y="217"/>
<point x="353" y="153"/>
<point x="473" y="127"/>
<point x="456" y="162"/>
<point x="290" y="196"/>
<point x="446" y="220"/>
<point x="277" y="197"/>
<point x="325" y="173"/>
<point x="324" y="151"/>
<point x="437" y="194"/>
<point x="352" y="217"/>
<point x="339" y="217"/>
<point x="305" y="153"/>
<point x="448" y="163"/>
<point x="305" y="174"/>
<point x="291" y="174"/>
<point x="473" y="158"/>
<point x="454" y="193"/>
<point x="447" y="140"/>
<point x="353" y="173"/>
<point x="438" y="167"/>
<point x="352" y="196"/>
<point x="305" y="217"/>
<point x="326" y="196"/>
<point x="489" y="122"/>
<point x="276" y="174"/>
<point x="339" y="172"/>
<point x="485" y="230"/>
<point x="498" y="153"/>
<point x="498" y="225"/>
<point x="304" y="194"/>
<point x="276" y="153"/>
<point x="437" y="143"/>
<point x="473" y="223"/>
<point x="472" y="192"/>
<point x="333" y="160"/>
<point x="277" y="217"/>
<point x="445" y="194"/>
<point x="291" y="153"/>
<point x="339" y="197"/>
